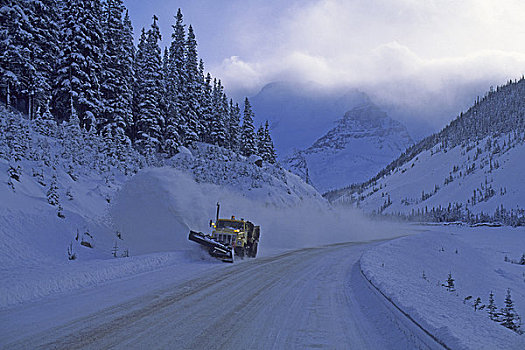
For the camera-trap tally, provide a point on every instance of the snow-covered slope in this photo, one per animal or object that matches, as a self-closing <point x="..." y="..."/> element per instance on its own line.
<point x="473" y="167"/>
<point x="299" y="113"/>
<point x="361" y="144"/>
<point x="412" y="272"/>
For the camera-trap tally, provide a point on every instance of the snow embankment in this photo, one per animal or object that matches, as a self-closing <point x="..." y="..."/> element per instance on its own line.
<point x="412" y="272"/>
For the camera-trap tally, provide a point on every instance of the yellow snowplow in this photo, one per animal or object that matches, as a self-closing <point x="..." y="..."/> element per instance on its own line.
<point x="229" y="238"/>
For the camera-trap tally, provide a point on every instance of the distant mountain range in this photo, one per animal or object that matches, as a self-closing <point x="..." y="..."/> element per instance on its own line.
<point x="472" y="170"/>
<point x="360" y="144"/>
<point x="299" y="113"/>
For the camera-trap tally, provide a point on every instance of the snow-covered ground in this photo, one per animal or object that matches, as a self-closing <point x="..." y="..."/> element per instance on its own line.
<point x="309" y="298"/>
<point x="411" y="271"/>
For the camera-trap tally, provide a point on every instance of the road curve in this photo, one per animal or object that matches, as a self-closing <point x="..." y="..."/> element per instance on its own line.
<point x="310" y="298"/>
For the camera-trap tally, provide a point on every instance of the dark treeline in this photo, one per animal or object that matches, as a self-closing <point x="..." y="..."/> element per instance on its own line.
<point x="456" y="212"/>
<point x="76" y="60"/>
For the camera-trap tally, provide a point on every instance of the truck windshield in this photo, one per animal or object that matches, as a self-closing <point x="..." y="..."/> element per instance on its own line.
<point x="232" y="225"/>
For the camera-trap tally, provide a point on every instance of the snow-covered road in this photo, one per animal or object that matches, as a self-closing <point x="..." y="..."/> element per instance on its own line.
<point x="310" y="298"/>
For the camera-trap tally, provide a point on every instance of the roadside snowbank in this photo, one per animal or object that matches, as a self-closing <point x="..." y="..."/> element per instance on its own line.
<point x="475" y="259"/>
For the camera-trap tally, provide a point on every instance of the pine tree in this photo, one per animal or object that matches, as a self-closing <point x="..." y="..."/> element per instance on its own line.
<point x="492" y="309"/>
<point x="509" y="317"/>
<point x="52" y="192"/>
<point x="79" y="63"/>
<point x="248" y="145"/>
<point x="115" y="84"/>
<point x="128" y="73"/>
<point x="207" y="108"/>
<point x="190" y="92"/>
<point x="218" y="124"/>
<point x="234" y="128"/>
<point x="271" y="157"/>
<point x="260" y="142"/>
<point x="138" y="78"/>
<point x="175" y="81"/>
<point x="150" y="122"/>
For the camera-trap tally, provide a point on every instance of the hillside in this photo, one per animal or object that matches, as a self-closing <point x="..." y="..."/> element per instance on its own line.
<point x="472" y="170"/>
<point x="360" y="144"/>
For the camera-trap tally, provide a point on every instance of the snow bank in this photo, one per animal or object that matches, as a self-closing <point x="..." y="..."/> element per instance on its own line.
<point x="475" y="259"/>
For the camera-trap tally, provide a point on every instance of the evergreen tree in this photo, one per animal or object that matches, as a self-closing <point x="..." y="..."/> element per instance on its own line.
<point x="218" y="124"/>
<point x="138" y="69"/>
<point x="260" y="142"/>
<point x="190" y="92"/>
<point x="115" y="84"/>
<point x="269" y="148"/>
<point x="52" y="192"/>
<point x="234" y="128"/>
<point x="28" y="50"/>
<point x="207" y="108"/>
<point x="248" y="145"/>
<point x="492" y="309"/>
<point x="509" y="317"/>
<point x="150" y="121"/>
<point x="175" y="81"/>
<point x="128" y="72"/>
<point x="15" y="36"/>
<point x="79" y="63"/>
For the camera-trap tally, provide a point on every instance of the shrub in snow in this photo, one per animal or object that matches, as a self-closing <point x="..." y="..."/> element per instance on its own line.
<point x="70" y="254"/>
<point x="52" y="193"/>
<point x="477" y="304"/>
<point x="14" y="172"/>
<point x="450" y="284"/>
<point x="114" y="250"/>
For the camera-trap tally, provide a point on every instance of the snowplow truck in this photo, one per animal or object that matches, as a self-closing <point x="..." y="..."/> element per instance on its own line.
<point x="229" y="238"/>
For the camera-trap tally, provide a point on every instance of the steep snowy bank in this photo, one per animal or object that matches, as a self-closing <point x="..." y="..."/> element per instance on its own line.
<point x="411" y="271"/>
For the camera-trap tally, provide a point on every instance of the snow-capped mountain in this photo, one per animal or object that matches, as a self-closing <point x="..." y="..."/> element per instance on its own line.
<point x="360" y="144"/>
<point x="472" y="170"/>
<point x="299" y="113"/>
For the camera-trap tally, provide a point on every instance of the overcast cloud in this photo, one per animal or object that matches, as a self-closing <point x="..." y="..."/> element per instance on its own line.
<point x="412" y="55"/>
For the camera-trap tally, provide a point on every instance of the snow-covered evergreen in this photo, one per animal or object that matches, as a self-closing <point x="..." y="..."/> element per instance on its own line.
<point x="66" y="58"/>
<point x="248" y="137"/>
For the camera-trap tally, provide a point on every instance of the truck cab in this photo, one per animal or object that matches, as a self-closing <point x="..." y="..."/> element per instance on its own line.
<point x="241" y="235"/>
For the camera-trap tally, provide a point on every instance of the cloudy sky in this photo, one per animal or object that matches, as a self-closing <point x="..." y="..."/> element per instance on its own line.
<point x="425" y="59"/>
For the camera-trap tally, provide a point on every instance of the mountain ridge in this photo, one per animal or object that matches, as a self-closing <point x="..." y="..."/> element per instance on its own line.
<point x="360" y="143"/>
<point x="472" y="170"/>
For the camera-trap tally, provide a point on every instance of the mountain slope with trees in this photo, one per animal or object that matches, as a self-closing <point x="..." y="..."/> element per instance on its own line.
<point x="471" y="171"/>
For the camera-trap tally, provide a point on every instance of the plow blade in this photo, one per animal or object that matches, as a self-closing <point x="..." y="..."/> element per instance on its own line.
<point x="216" y="249"/>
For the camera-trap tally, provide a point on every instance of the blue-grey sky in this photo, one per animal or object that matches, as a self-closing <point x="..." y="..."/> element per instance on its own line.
<point x="410" y="54"/>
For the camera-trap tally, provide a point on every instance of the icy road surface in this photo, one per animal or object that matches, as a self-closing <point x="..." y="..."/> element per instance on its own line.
<point x="310" y="298"/>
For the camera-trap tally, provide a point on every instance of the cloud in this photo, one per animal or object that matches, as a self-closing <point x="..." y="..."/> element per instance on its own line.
<point x="405" y="52"/>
